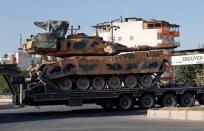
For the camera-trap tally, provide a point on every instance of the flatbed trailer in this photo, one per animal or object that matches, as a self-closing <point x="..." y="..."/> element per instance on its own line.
<point x="123" y="98"/>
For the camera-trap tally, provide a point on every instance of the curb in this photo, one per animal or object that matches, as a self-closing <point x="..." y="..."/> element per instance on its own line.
<point x="8" y="106"/>
<point x="175" y="115"/>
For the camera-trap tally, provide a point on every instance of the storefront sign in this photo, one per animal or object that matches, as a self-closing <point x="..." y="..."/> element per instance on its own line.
<point x="188" y="59"/>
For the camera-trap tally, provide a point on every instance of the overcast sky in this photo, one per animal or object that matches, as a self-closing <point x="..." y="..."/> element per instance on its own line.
<point x="17" y="16"/>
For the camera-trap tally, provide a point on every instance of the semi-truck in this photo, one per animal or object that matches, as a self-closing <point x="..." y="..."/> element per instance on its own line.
<point x="168" y="95"/>
<point x="91" y="70"/>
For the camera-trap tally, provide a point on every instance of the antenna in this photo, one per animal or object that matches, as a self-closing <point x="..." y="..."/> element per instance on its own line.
<point x="20" y="41"/>
<point x="74" y="30"/>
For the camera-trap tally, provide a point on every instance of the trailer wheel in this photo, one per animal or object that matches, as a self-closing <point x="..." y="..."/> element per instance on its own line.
<point x="147" y="101"/>
<point x="125" y="103"/>
<point x="108" y="105"/>
<point x="187" y="100"/>
<point x="200" y="99"/>
<point x="169" y="100"/>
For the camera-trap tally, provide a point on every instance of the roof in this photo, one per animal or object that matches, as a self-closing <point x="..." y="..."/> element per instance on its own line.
<point x="153" y="21"/>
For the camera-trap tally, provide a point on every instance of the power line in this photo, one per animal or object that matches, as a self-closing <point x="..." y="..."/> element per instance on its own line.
<point x="13" y="14"/>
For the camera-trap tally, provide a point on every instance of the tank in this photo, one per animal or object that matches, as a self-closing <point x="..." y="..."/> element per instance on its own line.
<point x="89" y="63"/>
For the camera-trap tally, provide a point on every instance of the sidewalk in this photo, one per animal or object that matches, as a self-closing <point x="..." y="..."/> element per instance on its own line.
<point x="5" y="101"/>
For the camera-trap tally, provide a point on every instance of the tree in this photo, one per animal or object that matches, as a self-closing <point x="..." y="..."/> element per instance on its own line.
<point x="187" y="73"/>
<point x="3" y="86"/>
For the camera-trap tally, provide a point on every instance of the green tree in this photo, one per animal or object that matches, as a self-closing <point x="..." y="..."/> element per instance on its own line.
<point x="187" y="73"/>
<point x="3" y="85"/>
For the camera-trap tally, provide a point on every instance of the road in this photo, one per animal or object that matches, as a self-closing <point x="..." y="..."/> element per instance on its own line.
<point x="87" y="118"/>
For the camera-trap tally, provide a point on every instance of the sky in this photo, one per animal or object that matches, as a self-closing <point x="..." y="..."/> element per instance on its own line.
<point x="18" y="16"/>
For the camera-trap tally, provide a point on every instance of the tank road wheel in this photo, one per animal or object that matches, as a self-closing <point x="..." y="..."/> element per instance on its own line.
<point x="130" y="81"/>
<point x="125" y="102"/>
<point x="147" y="101"/>
<point x="83" y="83"/>
<point x="98" y="83"/>
<point x="187" y="100"/>
<point x="65" y="84"/>
<point x="169" y="100"/>
<point x="146" y="81"/>
<point x="114" y="82"/>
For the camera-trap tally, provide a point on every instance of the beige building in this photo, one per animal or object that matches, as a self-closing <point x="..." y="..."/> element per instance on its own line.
<point x="136" y="31"/>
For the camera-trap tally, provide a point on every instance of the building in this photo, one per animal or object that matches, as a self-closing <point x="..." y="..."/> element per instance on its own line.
<point x="136" y="31"/>
<point x="23" y="59"/>
<point x="20" y="57"/>
<point x="8" y="59"/>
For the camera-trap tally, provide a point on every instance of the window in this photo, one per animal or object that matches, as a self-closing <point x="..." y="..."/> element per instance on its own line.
<point x="119" y="38"/>
<point x="160" y="36"/>
<point x="150" y="26"/>
<point x="131" y="38"/>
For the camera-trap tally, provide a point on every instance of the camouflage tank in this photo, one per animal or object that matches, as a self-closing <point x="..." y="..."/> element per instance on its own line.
<point x="89" y="63"/>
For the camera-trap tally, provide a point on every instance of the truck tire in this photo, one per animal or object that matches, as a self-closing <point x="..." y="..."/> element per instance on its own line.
<point x="147" y="101"/>
<point x="187" y="100"/>
<point x="125" y="103"/>
<point x="200" y="99"/>
<point x="169" y="100"/>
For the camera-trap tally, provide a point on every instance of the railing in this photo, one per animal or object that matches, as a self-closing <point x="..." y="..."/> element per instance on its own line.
<point x="168" y="32"/>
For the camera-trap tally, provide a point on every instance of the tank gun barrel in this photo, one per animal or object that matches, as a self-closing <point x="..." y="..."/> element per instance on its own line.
<point x="144" y="48"/>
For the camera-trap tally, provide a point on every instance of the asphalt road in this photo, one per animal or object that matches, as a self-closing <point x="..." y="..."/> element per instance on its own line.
<point x="87" y="118"/>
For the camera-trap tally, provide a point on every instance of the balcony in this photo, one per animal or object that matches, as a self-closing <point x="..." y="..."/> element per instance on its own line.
<point x="174" y="33"/>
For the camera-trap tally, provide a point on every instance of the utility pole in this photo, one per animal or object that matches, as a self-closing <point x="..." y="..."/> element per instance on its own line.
<point x="20" y="41"/>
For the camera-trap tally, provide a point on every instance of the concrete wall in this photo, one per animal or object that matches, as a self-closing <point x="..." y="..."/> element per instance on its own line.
<point x="176" y="115"/>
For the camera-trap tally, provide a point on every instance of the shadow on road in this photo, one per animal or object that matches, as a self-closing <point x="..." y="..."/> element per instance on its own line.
<point x="78" y="113"/>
